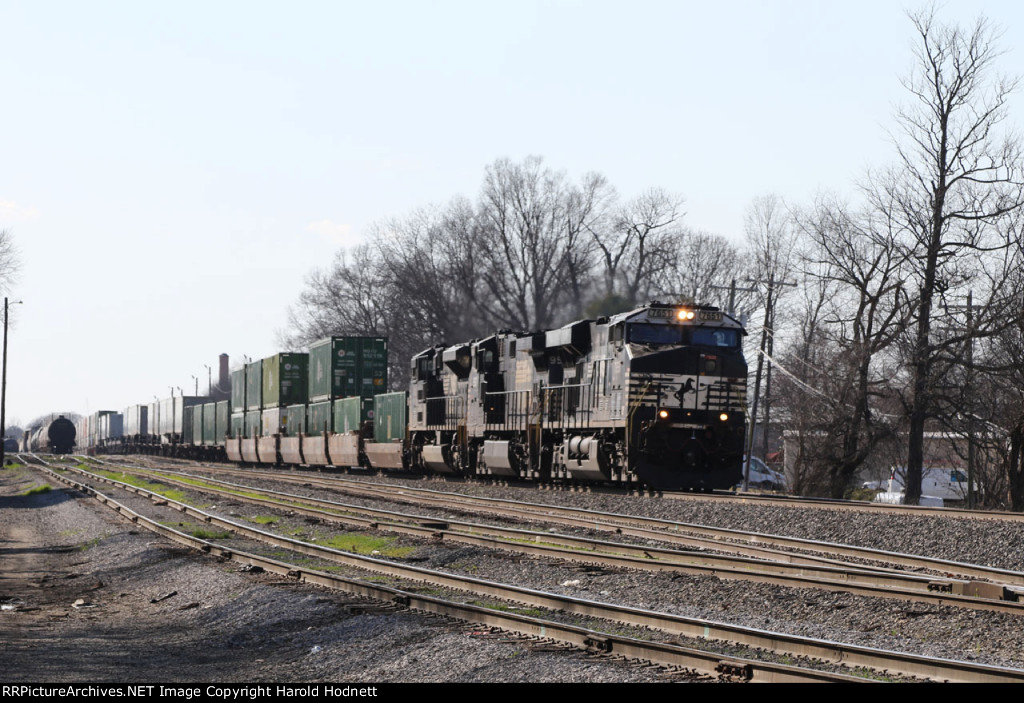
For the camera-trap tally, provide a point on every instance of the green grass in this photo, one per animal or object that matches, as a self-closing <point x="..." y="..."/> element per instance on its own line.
<point x="366" y="544"/>
<point x="199" y="531"/>
<point x="263" y="520"/>
<point x="157" y="488"/>
<point x="505" y="608"/>
<point x="866" y="494"/>
<point x="378" y="579"/>
<point x="45" y="488"/>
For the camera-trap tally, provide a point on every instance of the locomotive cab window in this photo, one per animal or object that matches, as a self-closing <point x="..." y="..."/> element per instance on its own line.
<point x="485" y="361"/>
<point x="655" y="334"/>
<point x="714" y="337"/>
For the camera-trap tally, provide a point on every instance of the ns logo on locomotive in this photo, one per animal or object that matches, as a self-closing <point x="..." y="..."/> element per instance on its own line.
<point x="655" y="396"/>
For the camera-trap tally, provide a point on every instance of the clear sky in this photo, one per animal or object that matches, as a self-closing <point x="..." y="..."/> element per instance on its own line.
<point x="171" y="172"/>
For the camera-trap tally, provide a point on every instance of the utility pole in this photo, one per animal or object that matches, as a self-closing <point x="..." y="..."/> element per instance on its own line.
<point x="969" y="386"/>
<point x="732" y="294"/>
<point x="769" y="311"/>
<point x="3" y="389"/>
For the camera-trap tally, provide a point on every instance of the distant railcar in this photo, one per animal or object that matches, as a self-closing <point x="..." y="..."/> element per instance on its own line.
<point x="57" y="437"/>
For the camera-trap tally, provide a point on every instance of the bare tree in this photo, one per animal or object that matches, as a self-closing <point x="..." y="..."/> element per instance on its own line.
<point x="522" y="215"/>
<point x="526" y="255"/>
<point x="856" y="315"/>
<point x="704" y="262"/>
<point x="770" y="237"/>
<point x="638" y="250"/>
<point x="354" y="297"/>
<point x="958" y="178"/>
<point x="10" y="262"/>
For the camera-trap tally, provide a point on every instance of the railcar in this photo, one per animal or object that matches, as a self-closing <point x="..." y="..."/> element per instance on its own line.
<point x="56" y="437"/>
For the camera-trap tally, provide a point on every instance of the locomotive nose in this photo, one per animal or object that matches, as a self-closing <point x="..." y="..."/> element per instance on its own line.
<point x="692" y="455"/>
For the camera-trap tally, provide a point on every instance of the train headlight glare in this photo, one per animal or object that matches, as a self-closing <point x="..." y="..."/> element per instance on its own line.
<point x="684" y="314"/>
<point x="723" y="417"/>
<point x="663" y="414"/>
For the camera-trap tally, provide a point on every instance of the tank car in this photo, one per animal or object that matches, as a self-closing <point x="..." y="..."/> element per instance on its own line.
<point x="57" y="437"/>
<point x="655" y="396"/>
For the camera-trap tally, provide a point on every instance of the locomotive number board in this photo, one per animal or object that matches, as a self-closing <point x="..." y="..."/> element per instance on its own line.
<point x="669" y="314"/>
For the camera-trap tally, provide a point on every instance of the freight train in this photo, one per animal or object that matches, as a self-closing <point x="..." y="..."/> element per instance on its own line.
<point x="655" y="396"/>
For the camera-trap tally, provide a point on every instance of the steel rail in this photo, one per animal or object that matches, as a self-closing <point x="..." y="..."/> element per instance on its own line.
<point x="661" y="653"/>
<point x="651" y="528"/>
<point x="871" y="583"/>
<point x="899" y="663"/>
<point x="732" y="497"/>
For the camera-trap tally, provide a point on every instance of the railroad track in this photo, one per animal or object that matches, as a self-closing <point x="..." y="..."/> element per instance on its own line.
<point x="665" y="653"/>
<point x="742" y="543"/>
<point x="715" y="496"/>
<point x="787" y="645"/>
<point x="857" y="580"/>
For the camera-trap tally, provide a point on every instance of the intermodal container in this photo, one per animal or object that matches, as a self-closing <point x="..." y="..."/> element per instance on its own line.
<point x="253" y="425"/>
<point x="340" y="367"/>
<point x="272" y="422"/>
<point x="319" y="417"/>
<point x="389" y="417"/>
<point x="223" y="418"/>
<point x="136" y="420"/>
<point x="238" y="425"/>
<point x="153" y="419"/>
<point x="111" y="425"/>
<point x="285" y="379"/>
<point x="193" y="428"/>
<point x="238" y="390"/>
<point x="348" y="414"/>
<point x="254" y="386"/>
<point x="295" y="420"/>
<point x="209" y="435"/>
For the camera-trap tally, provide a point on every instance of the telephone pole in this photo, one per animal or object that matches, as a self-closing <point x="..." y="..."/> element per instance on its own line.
<point x="766" y="332"/>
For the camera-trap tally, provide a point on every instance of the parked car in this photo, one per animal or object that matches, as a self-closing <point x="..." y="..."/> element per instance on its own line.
<point x="761" y="476"/>
<point x="938" y="486"/>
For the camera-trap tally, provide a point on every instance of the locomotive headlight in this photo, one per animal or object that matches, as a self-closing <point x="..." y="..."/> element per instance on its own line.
<point x="723" y="417"/>
<point x="663" y="414"/>
<point x="684" y="314"/>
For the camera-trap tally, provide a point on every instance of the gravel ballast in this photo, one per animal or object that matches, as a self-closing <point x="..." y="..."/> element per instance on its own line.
<point x="89" y="598"/>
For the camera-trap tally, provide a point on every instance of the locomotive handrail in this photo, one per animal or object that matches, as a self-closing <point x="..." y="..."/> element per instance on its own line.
<point x="454" y="406"/>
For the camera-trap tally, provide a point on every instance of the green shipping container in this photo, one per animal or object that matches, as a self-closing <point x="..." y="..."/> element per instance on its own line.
<point x="285" y="379"/>
<point x="193" y="428"/>
<point x="238" y="390"/>
<point x="209" y="423"/>
<point x="340" y="367"/>
<point x="237" y="424"/>
<point x="295" y="420"/>
<point x="389" y="417"/>
<point x="347" y="414"/>
<point x="319" y="417"/>
<point x="253" y="427"/>
<point x="223" y="415"/>
<point x="254" y="385"/>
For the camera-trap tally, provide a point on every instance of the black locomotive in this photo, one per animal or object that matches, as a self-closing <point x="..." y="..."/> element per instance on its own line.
<point x="654" y="396"/>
